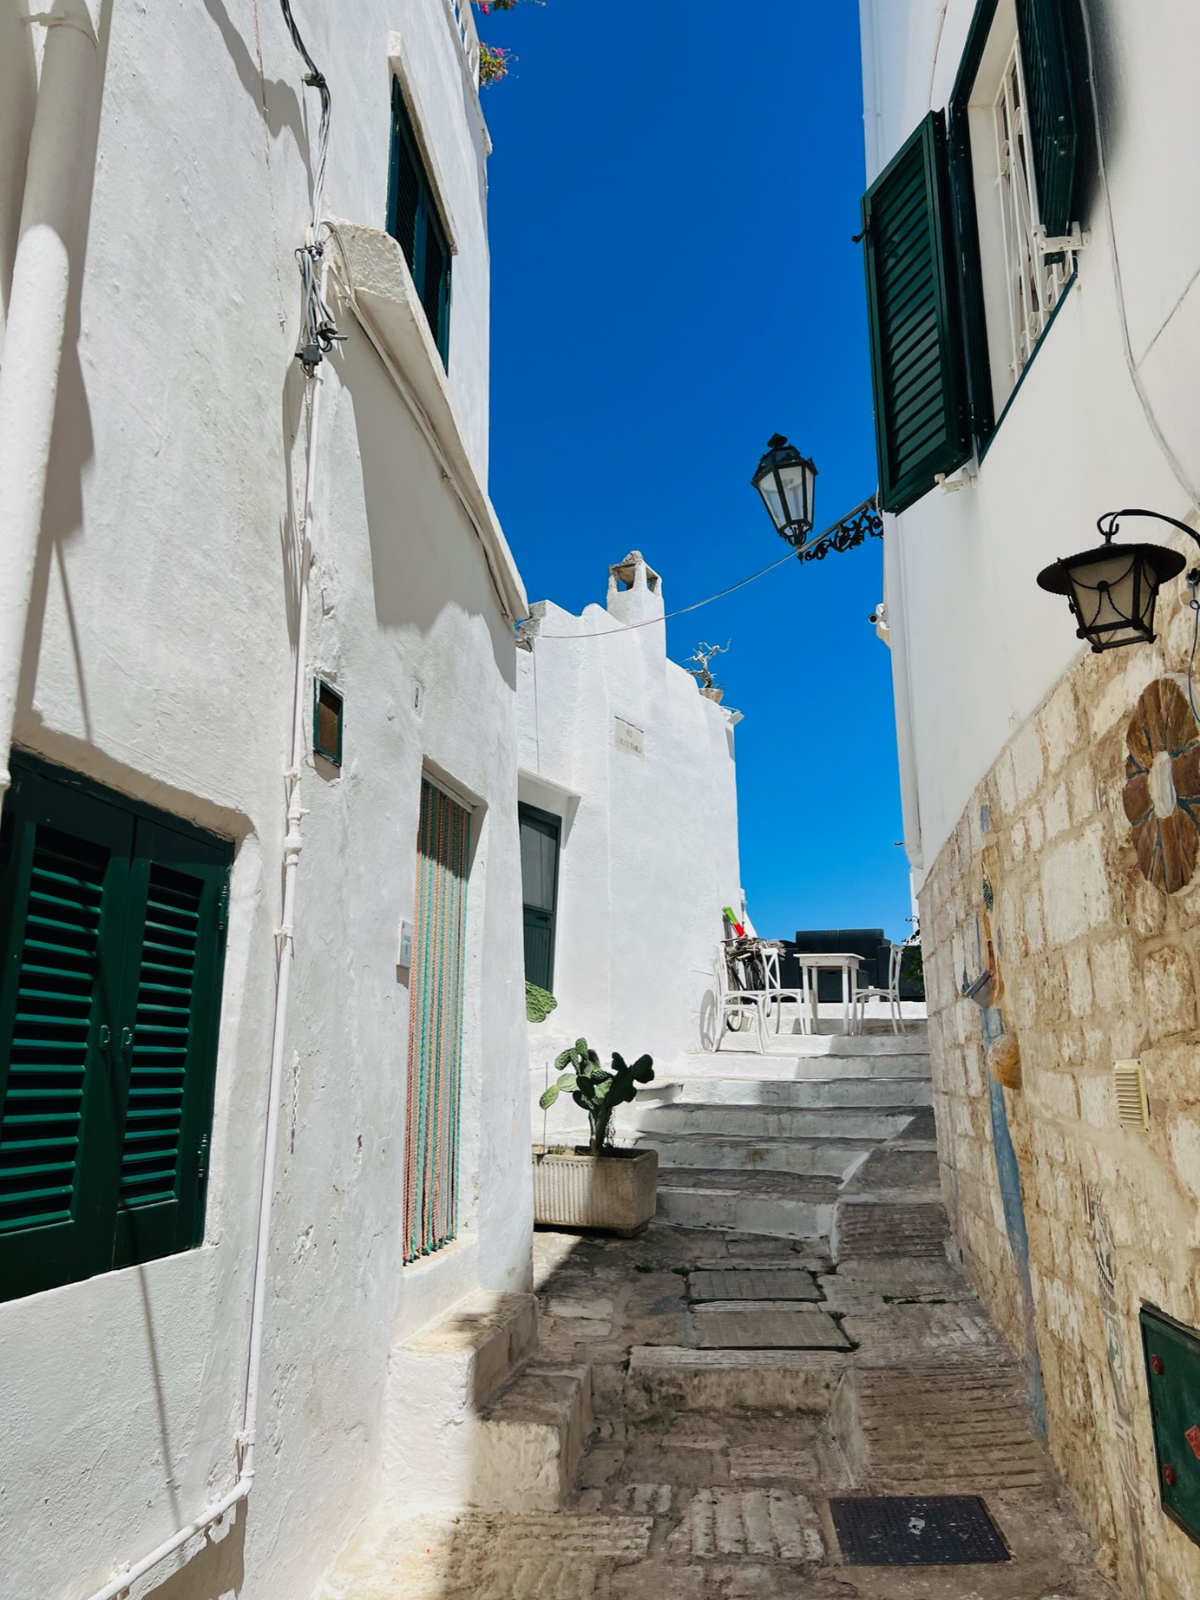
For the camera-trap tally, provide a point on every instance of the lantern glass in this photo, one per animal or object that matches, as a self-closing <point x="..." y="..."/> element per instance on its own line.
<point x="1112" y="590"/>
<point x="786" y="480"/>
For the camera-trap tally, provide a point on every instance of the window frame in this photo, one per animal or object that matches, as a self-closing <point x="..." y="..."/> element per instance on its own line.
<point x="985" y="416"/>
<point x="427" y="220"/>
<point x="101" y="1233"/>
<point x="551" y="826"/>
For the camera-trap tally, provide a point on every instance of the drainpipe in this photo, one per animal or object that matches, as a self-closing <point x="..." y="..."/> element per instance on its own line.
<point x="129" y="1574"/>
<point x="37" y="318"/>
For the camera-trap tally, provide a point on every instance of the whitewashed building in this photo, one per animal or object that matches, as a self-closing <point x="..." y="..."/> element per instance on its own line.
<point x="1035" y="336"/>
<point x="263" y="1065"/>
<point x="628" y="791"/>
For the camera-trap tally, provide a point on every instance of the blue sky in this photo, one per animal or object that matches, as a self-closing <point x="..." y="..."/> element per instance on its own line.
<point x="673" y="194"/>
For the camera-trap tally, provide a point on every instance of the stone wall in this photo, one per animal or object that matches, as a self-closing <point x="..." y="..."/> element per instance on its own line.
<point x="1092" y="964"/>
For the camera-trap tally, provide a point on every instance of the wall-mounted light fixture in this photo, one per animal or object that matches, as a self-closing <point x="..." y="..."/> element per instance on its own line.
<point x="1112" y="589"/>
<point x="787" y="482"/>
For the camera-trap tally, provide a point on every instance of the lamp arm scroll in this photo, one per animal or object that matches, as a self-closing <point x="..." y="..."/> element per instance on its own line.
<point x="1110" y="523"/>
<point x="845" y="534"/>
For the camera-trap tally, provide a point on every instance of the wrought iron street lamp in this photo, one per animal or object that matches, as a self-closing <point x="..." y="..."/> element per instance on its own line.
<point x="1112" y="589"/>
<point x="786" y="480"/>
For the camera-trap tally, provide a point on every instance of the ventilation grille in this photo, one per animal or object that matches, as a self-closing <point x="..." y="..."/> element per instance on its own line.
<point x="41" y="1120"/>
<point x="1129" y="1081"/>
<point x="158" y="1074"/>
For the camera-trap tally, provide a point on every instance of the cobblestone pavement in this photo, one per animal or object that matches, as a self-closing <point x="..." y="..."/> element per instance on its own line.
<point x="713" y="1464"/>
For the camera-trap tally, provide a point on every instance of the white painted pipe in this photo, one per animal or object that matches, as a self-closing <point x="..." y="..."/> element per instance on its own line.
<point x="37" y="318"/>
<point x="292" y="845"/>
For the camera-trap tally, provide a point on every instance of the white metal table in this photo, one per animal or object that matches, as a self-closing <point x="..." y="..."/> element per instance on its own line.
<point x="844" y="961"/>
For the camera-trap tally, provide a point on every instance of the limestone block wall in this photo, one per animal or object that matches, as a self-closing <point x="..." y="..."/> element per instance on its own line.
<point x="1092" y="965"/>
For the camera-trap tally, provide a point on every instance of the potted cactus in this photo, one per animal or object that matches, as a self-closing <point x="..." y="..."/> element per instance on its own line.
<point x="596" y="1185"/>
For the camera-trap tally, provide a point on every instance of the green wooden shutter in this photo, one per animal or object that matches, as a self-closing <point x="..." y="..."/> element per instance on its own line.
<point x="921" y="414"/>
<point x="413" y="221"/>
<point x="110" y="968"/>
<point x="435" y="1025"/>
<point x="1048" y="31"/>
<point x="64" y="899"/>
<point x="169" y="1066"/>
<point x="540" y="838"/>
<point x="404" y="181"/>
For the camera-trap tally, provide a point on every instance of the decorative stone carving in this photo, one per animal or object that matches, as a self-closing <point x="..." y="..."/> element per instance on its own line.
<point x="1162" y="785"/>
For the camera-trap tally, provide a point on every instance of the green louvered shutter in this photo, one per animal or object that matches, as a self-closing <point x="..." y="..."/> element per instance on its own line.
<point x="110" y="971"/>
<point x="414" y="223"/>
<point x="170" y="1062"/>
<point x="64" y="871"/>
<point x="1048" y="30"/>
<point x="435" y="1024"/>
<point x="921" y="414"/>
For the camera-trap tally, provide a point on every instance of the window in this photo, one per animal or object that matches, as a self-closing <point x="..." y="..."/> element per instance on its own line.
<point x="1034" y="279"/>
<point x="1021" y="274"/>
<point x="540" y="842"/>
<point x="435" y="1024"/>
<point x="112" y="942"/>
<point x="328" y="707"/>
<point x="413" y="221"/>
<point x="968" y="234"/>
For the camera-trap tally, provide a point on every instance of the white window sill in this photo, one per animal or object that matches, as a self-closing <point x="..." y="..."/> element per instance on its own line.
<point x="373" y="279"/>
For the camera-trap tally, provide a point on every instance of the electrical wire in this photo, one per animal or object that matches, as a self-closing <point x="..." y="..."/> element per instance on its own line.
<point x="1195" y="607"/>
<point x="628" y="627"/>
<point x="1173" y="461"/>
<point x="318" y="329"/>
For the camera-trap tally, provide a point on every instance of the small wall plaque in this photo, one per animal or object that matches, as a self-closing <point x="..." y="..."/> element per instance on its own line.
<point x="628" y="737"/>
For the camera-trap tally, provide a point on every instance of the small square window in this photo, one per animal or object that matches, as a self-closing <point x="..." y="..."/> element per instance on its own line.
<point x="327" y="721"/>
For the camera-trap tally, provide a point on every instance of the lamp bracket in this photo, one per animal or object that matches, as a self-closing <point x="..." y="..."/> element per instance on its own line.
<point x="1110" y="522"/>
<point x="851" y="531"/>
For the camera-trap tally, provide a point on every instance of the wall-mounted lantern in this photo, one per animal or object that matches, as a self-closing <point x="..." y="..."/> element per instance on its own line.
<point x="1112" y="589"/>
<point x="787" y="482"/>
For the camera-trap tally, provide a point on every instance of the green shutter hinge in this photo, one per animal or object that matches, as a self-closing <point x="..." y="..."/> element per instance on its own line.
<point x="202" y="1162"/>
<point x="223" y="907"/>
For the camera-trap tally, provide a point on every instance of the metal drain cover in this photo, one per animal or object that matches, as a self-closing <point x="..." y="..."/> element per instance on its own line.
<point x="916" y="1531"/>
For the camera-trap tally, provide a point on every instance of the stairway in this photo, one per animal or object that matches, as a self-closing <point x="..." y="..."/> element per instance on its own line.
<point x="476" y="1416"/>
<point x="824" y="1136"/>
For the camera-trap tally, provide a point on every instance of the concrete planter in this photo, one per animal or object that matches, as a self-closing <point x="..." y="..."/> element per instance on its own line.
<point x="574" y="1189"/>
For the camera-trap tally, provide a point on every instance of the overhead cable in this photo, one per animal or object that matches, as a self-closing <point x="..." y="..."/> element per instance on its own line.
<point x="628" y="627"/>
<point x="318" y="330"/>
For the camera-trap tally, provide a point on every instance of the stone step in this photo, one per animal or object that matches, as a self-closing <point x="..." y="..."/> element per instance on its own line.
<point x="886" y="1228"/>
<point x="684" y="1118"/>
<point x="839" y="1093"/>
<point x="830" y="1157"/>
<point x="915" y="1040"/>
<point x="533" y="1438"/>
<point x="787" y="1067"/>
<point x="439" y="1381"/>
<point x="781" y="1205"/>
<point x="741" y="1380"/>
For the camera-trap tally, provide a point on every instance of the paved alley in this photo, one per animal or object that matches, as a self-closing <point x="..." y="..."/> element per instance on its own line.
<point x="743" y="1384"/>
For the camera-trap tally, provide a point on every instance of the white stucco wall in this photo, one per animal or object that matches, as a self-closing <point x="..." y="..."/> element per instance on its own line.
<point x="160" y="661"/>
<point x="649" y="853"/>
<point x="976" y="645"/>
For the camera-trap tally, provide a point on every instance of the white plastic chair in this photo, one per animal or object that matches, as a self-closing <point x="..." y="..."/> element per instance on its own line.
<point x="776" y="996"/>
<point x="891" y="994"/>
<point x="737" y="1007"/>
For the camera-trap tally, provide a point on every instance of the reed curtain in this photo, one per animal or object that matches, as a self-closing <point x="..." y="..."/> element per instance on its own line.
<point x="435" y="1026"/>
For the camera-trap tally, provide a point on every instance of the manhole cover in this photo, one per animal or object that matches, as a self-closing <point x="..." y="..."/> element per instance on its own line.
<point x="899" y="1531"/>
